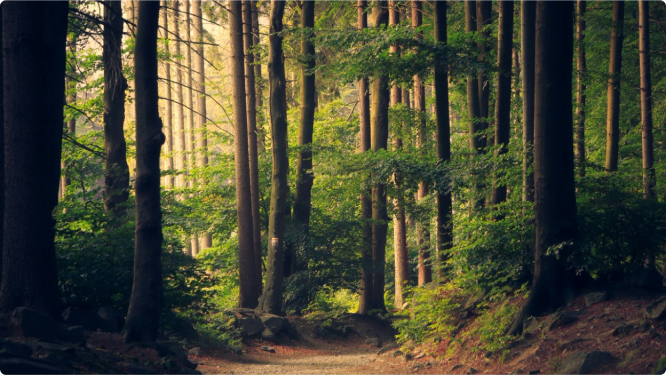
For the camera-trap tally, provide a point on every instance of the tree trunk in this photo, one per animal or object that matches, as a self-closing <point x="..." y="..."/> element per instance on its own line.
<point x="365" y="301"/>
<point x="189" y="103"/>
<point x="180" y="149"/>
<point x="258" y="83"/>
<point x="34" y="36"/>
<point x="527" y="32"/>
<point x="168" y="116"/>
<point x="252" y="139"/>
<point x="555" y="197"/>
<point x="615" y="71"/>
<point x="483" y="13"/>
<point x="146" y="301"/>
<point x="271" y="299"/>
<point x="200" y="89"/>
<point x="581" y="67"/>
<point x="115" y="149"/>
<point x="646" y="99"/>
<point x="476" y="143"/>
<point x="304" y="174"/>
<point x="503" y="96"/>
<point x="248" y="288"/>
<point x="70" y="128"/>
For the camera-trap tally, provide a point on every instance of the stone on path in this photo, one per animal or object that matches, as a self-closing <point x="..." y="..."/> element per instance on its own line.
<point x="584" y="362"/>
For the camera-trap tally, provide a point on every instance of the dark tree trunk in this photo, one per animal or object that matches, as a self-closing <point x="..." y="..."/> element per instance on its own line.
<point x="116" y="170"/>
<point x="483" y="13"/>
<point x="555" y="198"/>
<point x="146" y="301"/>
<point x="581" y="67"/>
<point x="615" y="71"/>
<point x="271" y="299"/>
<point x="252" y="140"/>
<point x="503" y="105"/>
<point x="34" y="37"/>
<point x="247" y="269"/>
<point x="2" y="153"/>
<point x="444" y="200"/>
<point x="365" y="301"/>
<point x="527" y="20"/>
<point x="646" y="99"/>
<point x="476" y="141"/>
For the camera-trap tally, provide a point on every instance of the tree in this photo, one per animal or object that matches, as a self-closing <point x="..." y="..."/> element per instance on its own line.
<point x="250" y="88"/>
<point x="189" y="104"/>
<point x="248" y="288"/>
<point x="581" y="67"/>
<point x="180" y="147"/>
<point x="444" y="200"/>
<point x="483" y="12"/>
<point x="476" y="142"/>
<point x="527" y="34"/>
<point x="34" y="36"/>
<point x="503" y="105"/>
<point x="304" y="174"/>
<point x="271" y="299"/>
<point x="555" y="197"/>
<point x="168" y="116"/>
<point x="147" y="291"/>
<point x="116" y="179"/>
<point x="613" y="94"/>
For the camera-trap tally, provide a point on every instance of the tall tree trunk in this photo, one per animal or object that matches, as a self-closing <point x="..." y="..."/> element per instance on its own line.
<point x="168" y="116"/>
<point x="304" y="173"/>
<point x="247" y="269"/>
<point x="555" y="198"/>
<point x="365" y="300"/>
<point x="146" y="301"/>
<point x="34" y="37"/>
<point x="271" y="299"/>
<point x="115" y="149"/>
<point x="189" y="104"/>
<point x="473" y="110"/>
<point x="527" y="32"/>
<point x="252" y="138"/>
<point x="200" y="89"/>
<point x="503" y="96"/>
<point x="180" y="147"/>
<point x="615" y="71"/>
<point x="70" y="128"/>
<point x="483" y="13"/>
<point x="379" y="141"/>
<point x="258" y="84"/>
<point x="581" y="67"/>
<point x="646" y="99"/>
<point x="444" y="199"/>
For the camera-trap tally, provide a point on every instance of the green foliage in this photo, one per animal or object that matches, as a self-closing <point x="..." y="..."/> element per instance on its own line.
<point x="432" y="314"/>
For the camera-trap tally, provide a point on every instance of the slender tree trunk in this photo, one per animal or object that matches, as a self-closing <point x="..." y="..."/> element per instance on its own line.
<point x="304" y="174"/>
<point x="271" y="300"/>
<point x="615" y="71"/>
<point x="180" y="148"/>
<point x="146" y="301"/>
<point x="247" y="269"/>
<point x="483" y="13"/>
<point x="646" y="99"/>
<point x="258" y="82"/>
<point x="116" y="170"/>
<point x="581" y="67"/>
<point x="555" y="198"/>
<point x="200" y="88"/>
<point x="473" y="110"/>
<point x="527" y="20"/>
<point x="70" y="128"/>
<point x="189" y="103"/>
<point x="168" y="116"/>
<point x="252" y="139"/>
<point x="444" y="199"/>
<point x="503" y="96"/>
<point x="365" y="301"/>
<point x="34" y="37"/>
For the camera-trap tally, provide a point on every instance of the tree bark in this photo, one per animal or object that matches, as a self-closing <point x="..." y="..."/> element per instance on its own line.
<point x="70" y="128"/>
<point x="581" y="67"/>
<point x="555" y="198"/>
<point x="613" y="94"/>
<point x="34" y="37"/>
<point x="483" y="13"/>
<point x="247" y="269"/>
<point x="258" y="82"/>
<point x="116" y="179"/>
<point x="646" y="99"/>
<point x="189" y="103"/>
<point x="444" y="199"/>
<point x="180" y="148"/>
<point x="145" y="303"/>
<point x="473" y="110"/>
<point x="503" y="96"/>
<point x="527" y="20"/>
<point x="168" y="116"/>
<point x="271" y="299"/>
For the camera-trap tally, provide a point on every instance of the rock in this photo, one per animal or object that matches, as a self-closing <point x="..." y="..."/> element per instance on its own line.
<point x="488" y="354"/>
<point x="90" y="320"/>
<point x="646" y="278"/>
<point x="74" y="334"/>
<point x="421" y="355"/>
<point x="273" y="322"/>
<point x="623" y="330"/>
<point x="472" y="370"/>
<point x="29" y="366"/>
<point x="596" y="297"/>
<point x="250" y="326"/>
<point x="374" y="341"/>
<point x="386" y="348"/>
<point x="268" y="335"/>
<point x="533" y="372"/>
<point x="113" y="317"/>
<point x="57" y="359"/>
<point x="268" y="349"/>
<point x="14" y="349"/>
<point x="656" y="310"/>
<point x="583" y="362"/>
<point x="33" y="323"/>
<point x="531" y="325"/>
<point x="195" y="351"/>
<point x="398" y="353"/>
<point x="559" y="319"/>
<point x="289" y="330"/>
<point x="172" y="352"/>
<point x="455" y="367"/>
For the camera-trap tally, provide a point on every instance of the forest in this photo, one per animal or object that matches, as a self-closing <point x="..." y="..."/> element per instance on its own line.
<point x="358" y="186"/>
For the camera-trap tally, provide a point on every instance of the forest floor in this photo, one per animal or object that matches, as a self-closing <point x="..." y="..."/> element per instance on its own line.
<point x="615" y="327"/>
